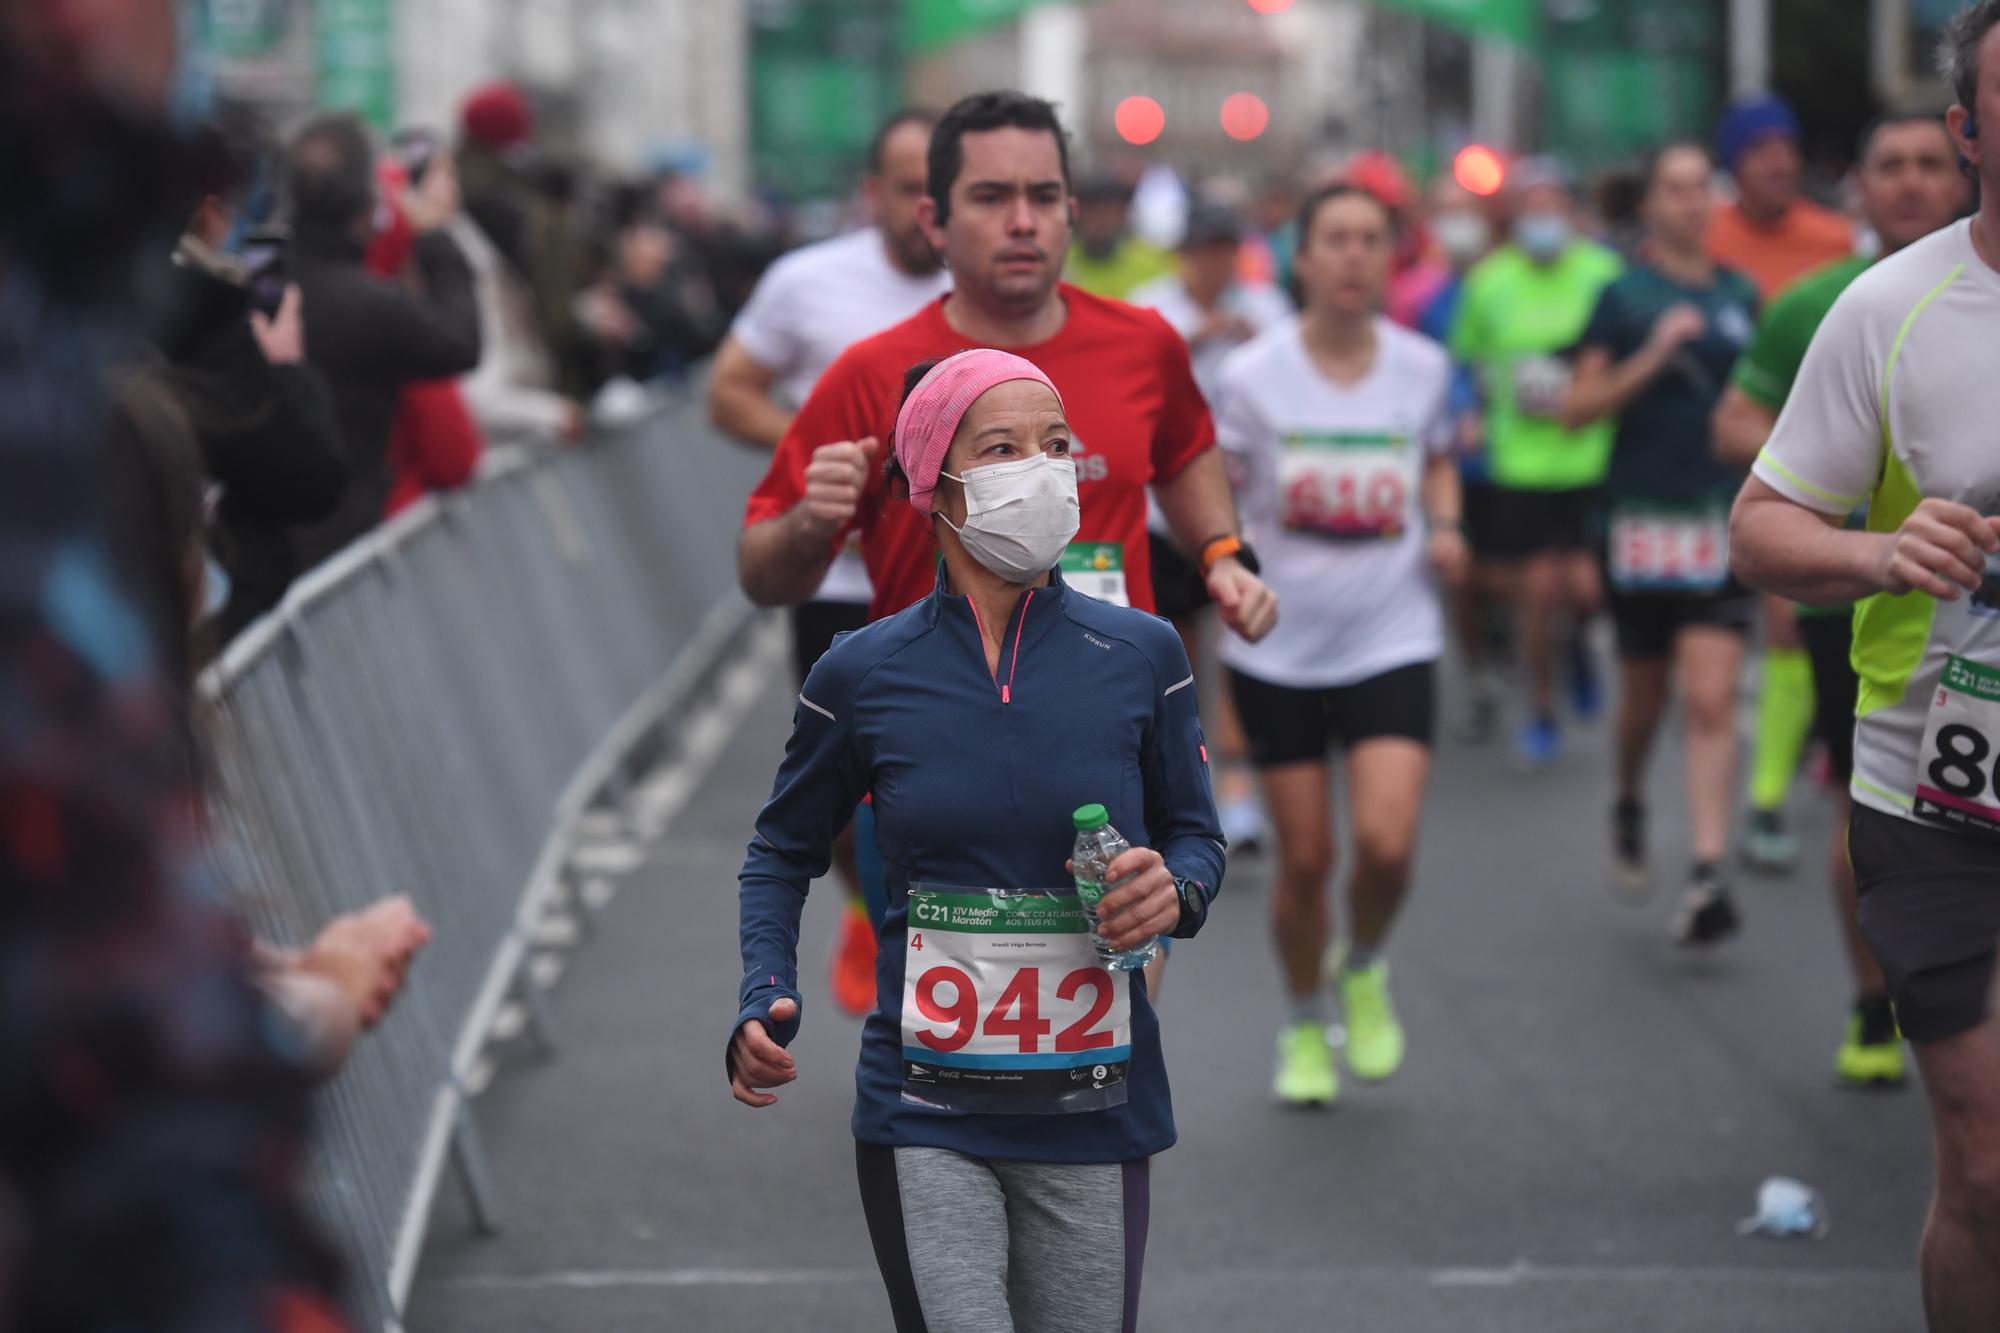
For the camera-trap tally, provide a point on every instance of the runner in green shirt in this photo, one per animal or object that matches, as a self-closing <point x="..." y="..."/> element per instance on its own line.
<point x="1522" y="310"/>
<point x="1910" y="187"/>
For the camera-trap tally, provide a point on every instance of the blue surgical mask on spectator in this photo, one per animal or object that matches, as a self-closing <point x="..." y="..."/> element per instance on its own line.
<point x="1542" y="235"/>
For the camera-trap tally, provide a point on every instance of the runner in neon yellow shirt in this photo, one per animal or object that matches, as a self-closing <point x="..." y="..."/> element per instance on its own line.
<point x="1523" y="309"/>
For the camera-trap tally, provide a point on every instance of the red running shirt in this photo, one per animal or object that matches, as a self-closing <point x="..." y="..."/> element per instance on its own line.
<point x="1135" y="418"/>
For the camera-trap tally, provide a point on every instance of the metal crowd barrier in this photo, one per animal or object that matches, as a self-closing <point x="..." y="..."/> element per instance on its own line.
<point x="429" y="713"/>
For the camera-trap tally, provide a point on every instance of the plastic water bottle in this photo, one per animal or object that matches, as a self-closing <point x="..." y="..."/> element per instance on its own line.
<point x="1097" y="846"/>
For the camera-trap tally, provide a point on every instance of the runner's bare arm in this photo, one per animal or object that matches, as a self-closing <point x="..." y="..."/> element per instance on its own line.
<point x="739" y="397"/>
<point x="1444" y="508"/>
<point x="780" y="561"/>
<point x="1781" y="547"/>
<point x="1601" y="387"/>
<point x="1742" y="427"/>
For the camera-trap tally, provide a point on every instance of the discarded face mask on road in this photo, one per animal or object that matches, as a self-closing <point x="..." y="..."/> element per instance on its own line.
<point x="1787" y="1208"/>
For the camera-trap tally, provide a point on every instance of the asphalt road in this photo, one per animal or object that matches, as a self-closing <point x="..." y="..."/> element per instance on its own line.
<point x="1584" y="1116"/>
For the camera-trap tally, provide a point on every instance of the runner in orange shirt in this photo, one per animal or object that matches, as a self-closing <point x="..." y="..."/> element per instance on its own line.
<point x="1776" y="236"/>
<point x="1772" y="232"/>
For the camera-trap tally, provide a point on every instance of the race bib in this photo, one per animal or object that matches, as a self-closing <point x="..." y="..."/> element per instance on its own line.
<point x="1006" y="1008"/>
<point x="1958" y="780"/>
<point x="1096" y="569"/>
<point x="1345" y="485"/>
<point x="1541" y="385"/>
<point x="1669" y="550"/>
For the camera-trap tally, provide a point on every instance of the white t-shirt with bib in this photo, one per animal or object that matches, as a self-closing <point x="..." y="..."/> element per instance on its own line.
<point x="1330" y="486"/>
<point x="1897" y="402"/>
<point x="808" y="308"/>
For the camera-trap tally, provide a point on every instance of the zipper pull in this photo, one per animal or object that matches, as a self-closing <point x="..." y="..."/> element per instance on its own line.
<point x="1007" y="694"/>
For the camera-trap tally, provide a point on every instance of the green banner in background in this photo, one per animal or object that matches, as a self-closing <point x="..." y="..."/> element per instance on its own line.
<point x="354" y="58"/>
<point x="243" y="29"/>
<point x="930" y="24"/>
<point x="1516" y="21"/>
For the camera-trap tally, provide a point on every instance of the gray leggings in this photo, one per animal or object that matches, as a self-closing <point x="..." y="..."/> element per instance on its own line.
<point x="974" y="1245"/>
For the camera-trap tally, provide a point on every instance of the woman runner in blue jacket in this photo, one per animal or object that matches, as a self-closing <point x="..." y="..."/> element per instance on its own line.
<point x="1011" y="1089"/>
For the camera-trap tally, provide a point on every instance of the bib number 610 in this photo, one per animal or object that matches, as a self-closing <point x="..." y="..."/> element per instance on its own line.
<point x="1017" y="1013"/>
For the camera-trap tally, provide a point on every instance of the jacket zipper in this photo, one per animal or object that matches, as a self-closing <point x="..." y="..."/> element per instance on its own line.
<point x="1007" y="689"/>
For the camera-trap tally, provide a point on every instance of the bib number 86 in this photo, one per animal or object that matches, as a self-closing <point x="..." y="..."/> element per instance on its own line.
<point x="1959" y="768"/>
<point x="1016" y="1014"/>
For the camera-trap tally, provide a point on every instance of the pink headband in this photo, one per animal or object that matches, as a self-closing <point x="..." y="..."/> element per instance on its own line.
<point x="934" y="409"/>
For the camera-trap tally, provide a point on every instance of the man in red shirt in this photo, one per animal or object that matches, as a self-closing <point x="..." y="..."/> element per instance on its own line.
<point x="1000" y="213"/>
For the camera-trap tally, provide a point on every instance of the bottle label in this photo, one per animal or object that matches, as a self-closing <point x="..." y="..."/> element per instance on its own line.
<point x="1006" y="1007"/>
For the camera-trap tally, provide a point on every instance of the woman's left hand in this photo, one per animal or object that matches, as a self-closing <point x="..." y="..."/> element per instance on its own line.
<point x="1142" y="908"/>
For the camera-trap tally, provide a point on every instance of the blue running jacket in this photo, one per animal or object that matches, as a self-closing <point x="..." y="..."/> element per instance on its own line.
<point x="975" y="775"/>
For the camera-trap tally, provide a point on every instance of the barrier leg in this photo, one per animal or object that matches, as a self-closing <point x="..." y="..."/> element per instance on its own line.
<point x="541" y="1022"/>
<point x="569" y="900"/>
<point x="475" y="1174"/>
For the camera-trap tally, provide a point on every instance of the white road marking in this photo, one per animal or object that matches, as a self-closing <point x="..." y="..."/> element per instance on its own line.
<point x="1519" y="1273"/>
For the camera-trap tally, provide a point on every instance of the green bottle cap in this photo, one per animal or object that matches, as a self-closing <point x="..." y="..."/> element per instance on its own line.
<point x="1089" y="817"/>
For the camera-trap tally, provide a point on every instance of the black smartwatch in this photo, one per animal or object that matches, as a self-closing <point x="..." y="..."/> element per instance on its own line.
<point x="1194" y="898"/>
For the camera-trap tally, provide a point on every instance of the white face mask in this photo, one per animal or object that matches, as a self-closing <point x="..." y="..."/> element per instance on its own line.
<point x="1462" y="235"/>
<point x="1019" y="516"/>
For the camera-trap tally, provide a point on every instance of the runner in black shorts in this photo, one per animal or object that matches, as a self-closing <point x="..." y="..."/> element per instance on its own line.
<point x="815" y="625"/>
<point x="1657" y="351"/>
<point x="1298" y="726"/>
<point x="1341" y="430"/>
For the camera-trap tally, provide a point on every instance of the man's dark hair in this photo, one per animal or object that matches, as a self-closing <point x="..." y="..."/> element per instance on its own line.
<point x="1650" y="164"/>
<point x="879" y="144"/>
<point x="1890" y="120"/>
<point x="977" y="113"/>
<point x="1958" y="50"/>
<point x="1320" y="198"/>
<point x="330" y="172"/>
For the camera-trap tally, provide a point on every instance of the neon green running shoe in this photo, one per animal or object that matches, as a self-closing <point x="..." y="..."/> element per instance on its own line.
<point x="1305" y="1067"/>
<point x="1870" y="1059"/>
<point x="1374" y="1037"/>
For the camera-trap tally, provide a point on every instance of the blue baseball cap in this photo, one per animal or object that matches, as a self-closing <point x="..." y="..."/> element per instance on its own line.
<point x="1750" y="118"/>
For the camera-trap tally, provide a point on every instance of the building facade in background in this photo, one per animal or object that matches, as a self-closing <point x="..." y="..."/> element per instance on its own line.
<point x="632" y="83"/>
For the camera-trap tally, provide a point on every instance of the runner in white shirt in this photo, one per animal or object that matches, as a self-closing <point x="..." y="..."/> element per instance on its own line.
<point x="1211" y="307"/>
<point x="808" y="309"/>
<point x="1895" y="407"/>
<point x="1339" y="424"/>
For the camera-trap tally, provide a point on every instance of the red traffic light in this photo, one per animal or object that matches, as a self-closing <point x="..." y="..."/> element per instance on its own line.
<point x="1480" y="170"/>
<point x="1139" y="120"/>
<point x="1244" y="116"/>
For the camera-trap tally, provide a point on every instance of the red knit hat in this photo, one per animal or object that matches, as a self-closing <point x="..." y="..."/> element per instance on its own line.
<point x="497" y="116"/>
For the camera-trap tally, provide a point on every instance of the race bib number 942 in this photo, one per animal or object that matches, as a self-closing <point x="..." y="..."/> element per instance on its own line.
<point x="1958" y="768"/>
<point x="1006" y="1009"/>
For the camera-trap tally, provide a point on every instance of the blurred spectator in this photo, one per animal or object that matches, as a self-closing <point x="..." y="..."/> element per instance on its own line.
<point x="367" y="335"/>
<point x="262" y="418"/>
<point x="434" y="443"/>
<point x="345" y="979"/>
<point x="1106" y="259"/>
<point x="1415" y="273"/>
<point x="729" y="256"/>
<point x="1272" y="239"/>
<point x="507" y="195"/>
<point x="654" y="310"/>
<point x="1206" y="302"/>
<point x="1772" y="232"/>
<point x="152" y="1120"/>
